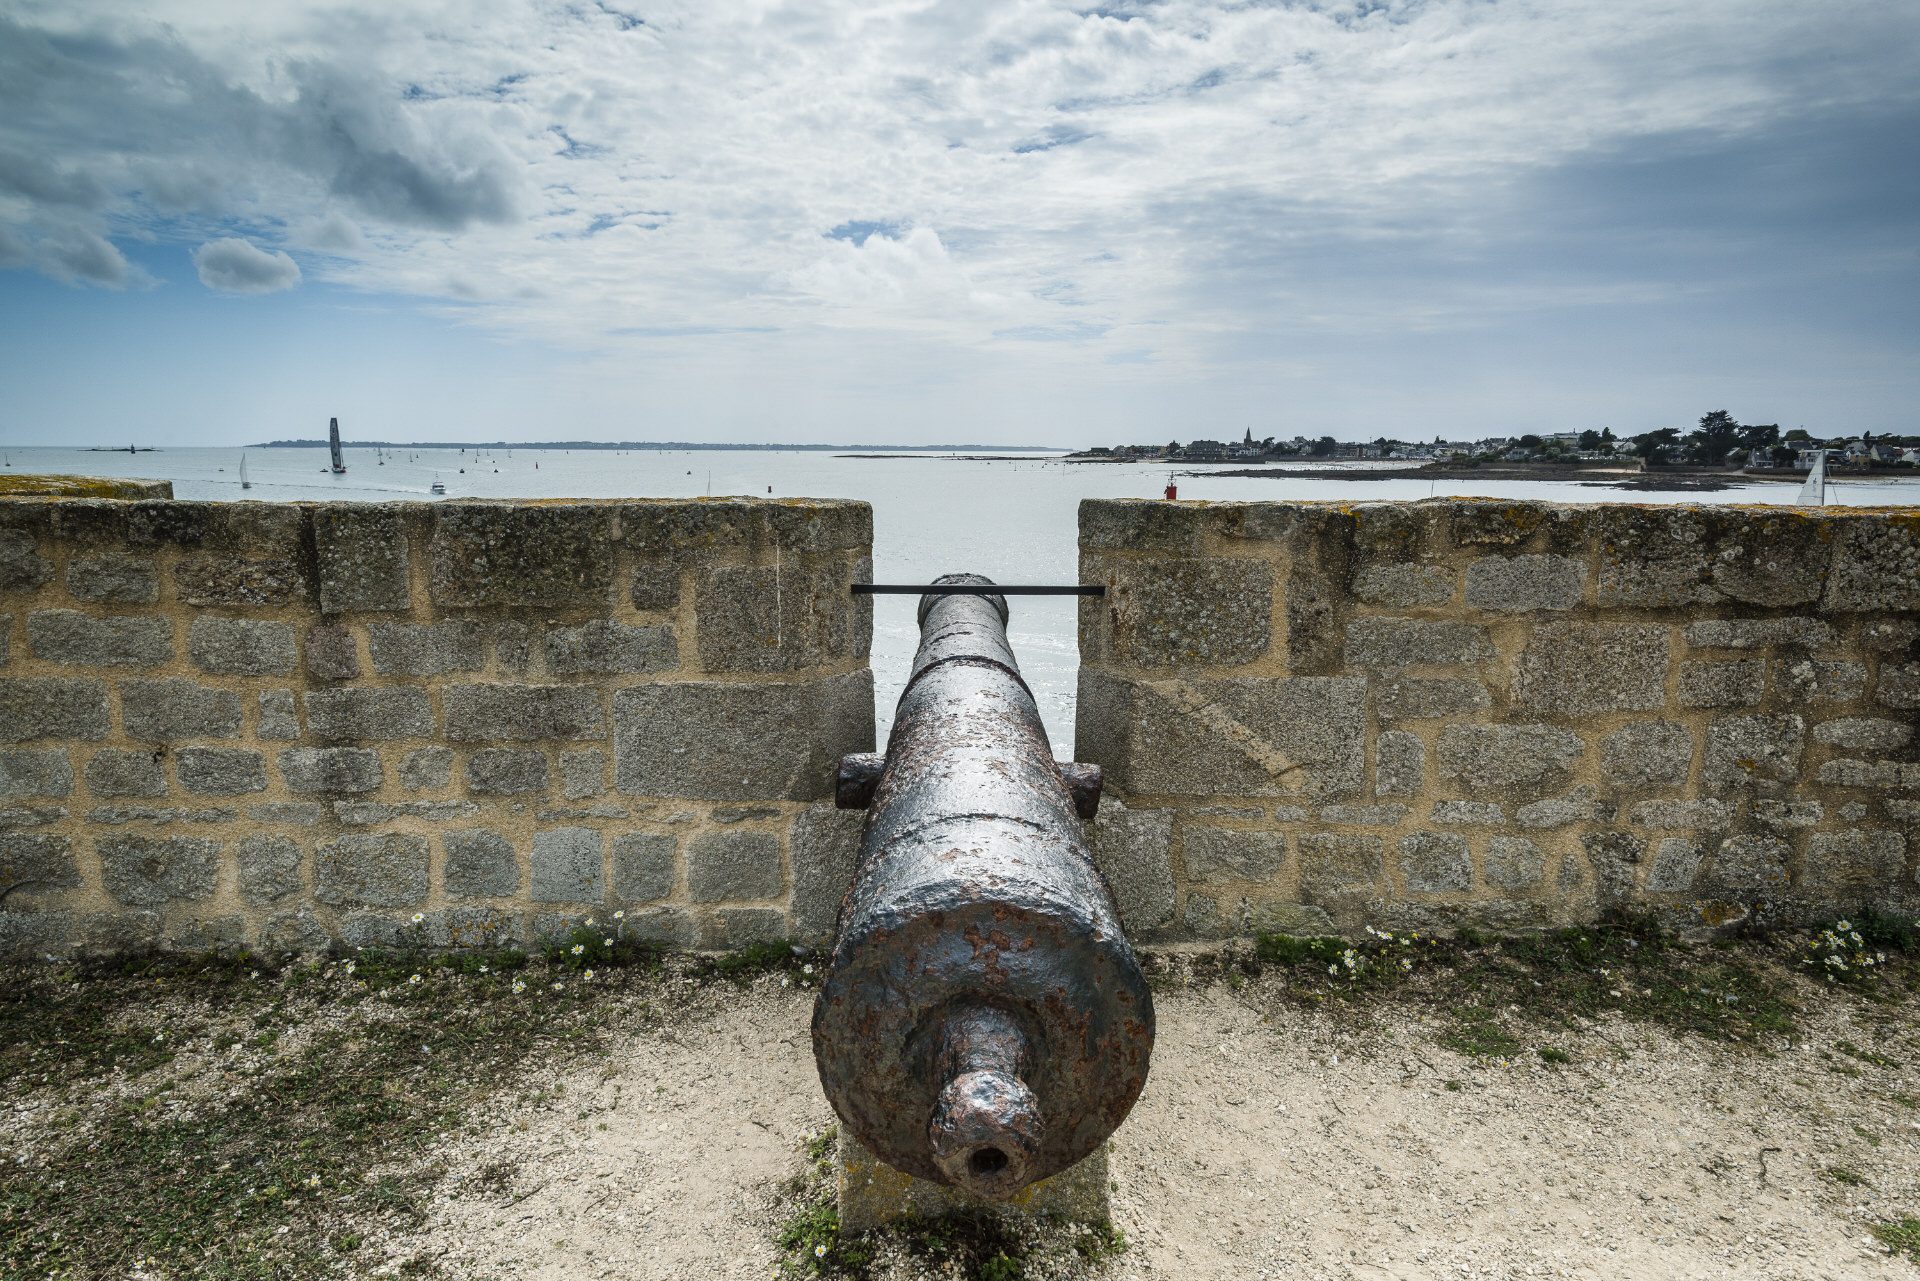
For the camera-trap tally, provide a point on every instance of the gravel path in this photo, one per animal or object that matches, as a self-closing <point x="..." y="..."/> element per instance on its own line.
<point x="1270" y="1142"/>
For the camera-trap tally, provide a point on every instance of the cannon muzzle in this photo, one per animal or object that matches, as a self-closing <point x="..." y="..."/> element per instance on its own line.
<point x="983" y="1022"/>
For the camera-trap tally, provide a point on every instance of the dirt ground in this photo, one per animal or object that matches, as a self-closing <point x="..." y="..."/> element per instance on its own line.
<point x="1272" y="1141"/>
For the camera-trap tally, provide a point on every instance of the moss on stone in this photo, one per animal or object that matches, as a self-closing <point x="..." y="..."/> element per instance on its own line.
<point x="31" y="486"/>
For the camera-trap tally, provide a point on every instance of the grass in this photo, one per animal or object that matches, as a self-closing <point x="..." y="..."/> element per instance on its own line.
<point x="1900" y="1237"/>
<point x="226" y="1118"/>
<point x="1479" y="1033"/>
<point x="1873" y="1057"/>
<point x="1497" y="994"/>
<point x="230" y="1118"/>
<point x="982" y="1248"/>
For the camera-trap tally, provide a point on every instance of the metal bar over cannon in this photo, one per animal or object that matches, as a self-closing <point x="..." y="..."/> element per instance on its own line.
<point x="983" y="1023"/>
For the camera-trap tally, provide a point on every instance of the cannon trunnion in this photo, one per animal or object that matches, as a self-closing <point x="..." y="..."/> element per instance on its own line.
<point x="983" y="1022"/>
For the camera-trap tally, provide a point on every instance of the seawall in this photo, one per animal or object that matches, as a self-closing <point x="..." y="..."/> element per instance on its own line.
<point x="298" y="725"/>
<point x="288" y="725"/>
<point x="1318" y="717"/>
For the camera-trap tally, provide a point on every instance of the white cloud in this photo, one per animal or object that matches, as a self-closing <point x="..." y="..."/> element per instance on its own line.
<point x="1157" y="193"/>
<point x="235" y="266"/>
<point x="77" y="255"/>
<point x="334" y="234"/>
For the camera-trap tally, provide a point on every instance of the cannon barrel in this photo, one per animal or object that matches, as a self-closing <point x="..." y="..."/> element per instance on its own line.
<point x="983" y="1022"/>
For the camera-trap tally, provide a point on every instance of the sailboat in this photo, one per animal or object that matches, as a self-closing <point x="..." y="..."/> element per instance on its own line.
<point x="333" y="445"/>
<point x="244" y="482"/>
<point x="1814" y="492"/>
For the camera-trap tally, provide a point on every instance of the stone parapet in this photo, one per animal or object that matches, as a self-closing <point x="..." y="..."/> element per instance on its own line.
<point x="1316" y="716"/>
<point x="288" y="725"/>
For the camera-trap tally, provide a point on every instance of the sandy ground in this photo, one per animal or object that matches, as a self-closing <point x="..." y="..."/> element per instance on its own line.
<point x="1270" y="1142"/>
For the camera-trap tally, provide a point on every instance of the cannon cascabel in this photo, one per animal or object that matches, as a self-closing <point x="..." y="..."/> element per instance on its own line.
<point x="983" y="1022"/>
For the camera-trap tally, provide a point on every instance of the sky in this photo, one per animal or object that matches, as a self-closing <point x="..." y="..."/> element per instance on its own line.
<point x="972" y="221"/>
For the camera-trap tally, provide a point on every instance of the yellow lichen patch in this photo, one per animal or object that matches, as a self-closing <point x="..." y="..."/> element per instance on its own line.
<point x="29" y="486"/>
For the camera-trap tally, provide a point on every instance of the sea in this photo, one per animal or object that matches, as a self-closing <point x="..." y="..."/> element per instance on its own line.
<point x="1012" y="518"/>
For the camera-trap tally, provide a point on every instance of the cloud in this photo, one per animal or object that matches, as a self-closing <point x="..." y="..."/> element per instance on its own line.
<point x="334" y="234"/>
<point x="136" y="122"/>
<point x="39" y="180"/>
<point x="81" y="257"/>
<point x="1130" y="200"/>
<point x="235" y="266"/>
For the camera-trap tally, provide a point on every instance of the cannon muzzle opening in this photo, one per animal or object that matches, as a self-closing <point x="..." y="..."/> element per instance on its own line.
<point x="983" y="1022"/>
<point x="986" y="1125"/>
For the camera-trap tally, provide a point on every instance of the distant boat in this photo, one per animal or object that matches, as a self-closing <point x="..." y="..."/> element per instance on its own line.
<point x="1814" y="492"/>
<point x="333" y="445"/>
<point x="244" y="482"/>
<point x="438" y="487"/>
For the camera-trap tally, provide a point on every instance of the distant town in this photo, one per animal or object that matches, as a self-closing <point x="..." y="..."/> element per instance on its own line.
<point x="1718" y="442"/>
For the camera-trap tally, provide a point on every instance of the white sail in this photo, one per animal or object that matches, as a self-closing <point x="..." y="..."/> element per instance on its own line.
<point x="1814" y="492"/>
<point x="244" y="482"/>
<point x="333" y="444"/>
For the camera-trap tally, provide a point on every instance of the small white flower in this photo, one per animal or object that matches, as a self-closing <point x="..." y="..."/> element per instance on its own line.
<point x="418" y="917"/>
<point x="586" y="974"/>
<point x="820" y="1251"/>
<point x="415" y="979"/>
<point x="807" y="968"/>
<point x="606" y="942"/>
<point x="578" y="948"/>
<point x="620" y="916"/>
<point x="518" y="986"/>
<point x="589" y="920"/>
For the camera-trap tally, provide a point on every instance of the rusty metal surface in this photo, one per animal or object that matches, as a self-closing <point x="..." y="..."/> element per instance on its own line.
<point x="855" y="779"/>
<point x="1084" y="784"/>
<point x="983" y="1022"/>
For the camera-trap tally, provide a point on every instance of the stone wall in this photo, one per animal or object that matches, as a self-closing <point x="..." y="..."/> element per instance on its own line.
<point x="289" y="724"/>
<point x="1322" y="716"/>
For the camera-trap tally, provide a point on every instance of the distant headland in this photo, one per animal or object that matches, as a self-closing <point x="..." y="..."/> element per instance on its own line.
<point x="661" y="445"/>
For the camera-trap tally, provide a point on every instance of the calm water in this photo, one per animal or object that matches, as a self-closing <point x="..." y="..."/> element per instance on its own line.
<point x="1013" y="521"/>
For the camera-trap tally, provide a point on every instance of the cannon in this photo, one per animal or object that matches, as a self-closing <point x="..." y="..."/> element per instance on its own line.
<point x="983" y="1022"/>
